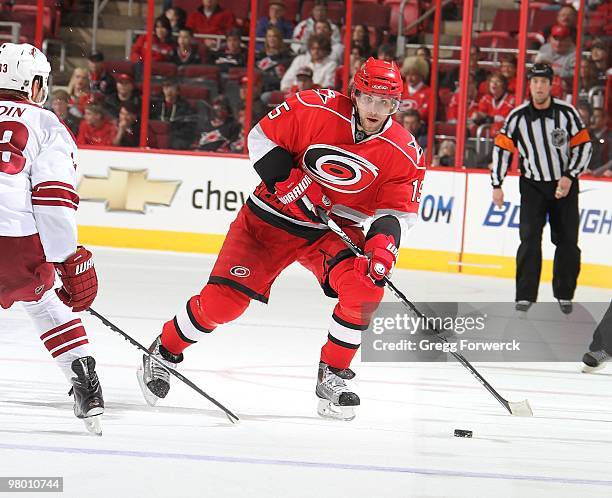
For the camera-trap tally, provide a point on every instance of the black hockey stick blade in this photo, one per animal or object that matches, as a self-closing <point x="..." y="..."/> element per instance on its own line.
<point x="516" y="408"/>
<point x="232" y="418"/>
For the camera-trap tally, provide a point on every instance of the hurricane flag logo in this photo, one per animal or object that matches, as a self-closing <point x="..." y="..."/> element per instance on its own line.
<point x="338" y="169"/>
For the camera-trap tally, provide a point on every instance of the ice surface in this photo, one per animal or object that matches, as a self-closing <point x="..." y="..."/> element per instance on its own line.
<point x="263" y="368"/>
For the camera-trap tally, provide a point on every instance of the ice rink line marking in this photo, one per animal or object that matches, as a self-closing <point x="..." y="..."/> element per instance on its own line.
<point x="299" y="463"/>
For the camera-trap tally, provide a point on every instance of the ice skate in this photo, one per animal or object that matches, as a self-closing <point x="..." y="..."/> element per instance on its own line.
<point x="153" y="376"/>
<point x="595" y="360"/>
<point x="336" y="400"/>
<point x="88" y="400"/>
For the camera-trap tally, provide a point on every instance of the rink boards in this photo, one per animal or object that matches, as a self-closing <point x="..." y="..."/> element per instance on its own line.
<point x="186" y="203"/>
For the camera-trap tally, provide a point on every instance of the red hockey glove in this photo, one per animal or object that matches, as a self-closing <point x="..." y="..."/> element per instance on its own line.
<point x="380" y="256"/>
<point x="302" y="196"/>
<point x="79" y="279"/>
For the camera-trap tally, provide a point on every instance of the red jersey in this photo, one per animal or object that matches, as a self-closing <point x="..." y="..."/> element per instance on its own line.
<point x="416" y="98"/>
<point x="453" y="108"/>
<point x="219" y="22"/>
<point x="103" y="135"/>
<point x="364" y="177"/>
<point x="160" y="51"/>
<point x="498" y="110"/>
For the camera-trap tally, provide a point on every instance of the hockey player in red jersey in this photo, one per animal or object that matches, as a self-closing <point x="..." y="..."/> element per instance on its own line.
<point x="318" y="150"/>
<point x="38" y="203"/>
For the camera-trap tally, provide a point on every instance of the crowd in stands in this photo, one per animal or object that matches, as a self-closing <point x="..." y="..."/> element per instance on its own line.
<point x="103" y="107"/>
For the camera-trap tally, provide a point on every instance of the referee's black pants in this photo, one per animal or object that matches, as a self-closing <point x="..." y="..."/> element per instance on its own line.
<point x="602" y="337"/>
<point x="537" y="202"/>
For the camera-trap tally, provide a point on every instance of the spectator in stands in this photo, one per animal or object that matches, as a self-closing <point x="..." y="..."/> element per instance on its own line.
<point x="386" y="52"/>
<point x="416" y="93"/>
<point x="451" y="79"/>
<point x="275" y="19"/>
<point x="211" y="19"/>
<point x="472" y="107"/>
<point x="424" y="53"/>
<point x="186" y="50"/>
<point x="587" y="78"/>
<point x="601" y="137"/>
<point x="96" y="128"/>
<point x="174" y="109"/>
<point x="356" y="61"/>
<point x="323" y="28"/>
<point x="78" y="89"/>
<point x="560" y="51"/>
<point x="177" y="18"/>
<point x="100" y="80"/>
<point x="221" y="129"/>
<point x="361" y="38"/>
<point x="508" y="69"/>
<point x="126" y="92"/>
<point x="163" y="43"/>
<point x="303" y="82"/>
<point x="411" y="121"/>
<point x="59" y="105"/>
<point x="600" y="55"/>
<point x="567" y="17"/>
<point x="237" y="146"/>
<point x="318" y="59"/>
<point x="259" y="109"/>
<point x="584" y="109"/>
<point x="305" y="29"/>
<point x="233" y="54"/>
<point x="496" y="105"/>
<point x="128" y="127"/>
<point x="273" y="60"/>
<point x="445" y="155"/>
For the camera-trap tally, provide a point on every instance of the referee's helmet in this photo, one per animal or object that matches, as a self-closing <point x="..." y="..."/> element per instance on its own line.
<point x="540" y="69"/>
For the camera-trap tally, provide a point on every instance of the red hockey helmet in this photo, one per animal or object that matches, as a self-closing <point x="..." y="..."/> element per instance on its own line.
<point x="379" y="77"/>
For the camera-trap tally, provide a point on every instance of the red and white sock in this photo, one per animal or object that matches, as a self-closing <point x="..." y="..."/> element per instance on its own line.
<point x="343" y="341"/>
<point x="60" y="330"/>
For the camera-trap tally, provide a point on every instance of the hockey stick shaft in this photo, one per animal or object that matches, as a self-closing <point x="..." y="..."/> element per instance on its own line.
<point x="334" y="227"/>
<point x="233" y="418"/>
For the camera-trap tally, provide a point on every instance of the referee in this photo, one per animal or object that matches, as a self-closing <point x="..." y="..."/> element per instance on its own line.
<point x="554" y="148"/>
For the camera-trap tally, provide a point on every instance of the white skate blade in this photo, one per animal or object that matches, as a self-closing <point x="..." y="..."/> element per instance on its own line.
<point x="149" y="397"/>
<point x="94" y="423"/>
<point x="587" y="369"/>
<point x="520" y="408"/>
<point x="327" y="409"/>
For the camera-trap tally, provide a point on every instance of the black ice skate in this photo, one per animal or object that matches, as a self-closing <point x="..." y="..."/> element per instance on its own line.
<point x="88" y="400"/>
<point x="595" y="360"/>
<point x="153" y="376"/>
<point x="335" y="398"/>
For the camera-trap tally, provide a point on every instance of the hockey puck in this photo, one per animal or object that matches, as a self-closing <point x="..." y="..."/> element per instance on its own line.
<point x="463" y="433"/>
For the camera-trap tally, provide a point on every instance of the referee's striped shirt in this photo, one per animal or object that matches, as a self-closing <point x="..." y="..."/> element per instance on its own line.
<point x="551" y="143"/>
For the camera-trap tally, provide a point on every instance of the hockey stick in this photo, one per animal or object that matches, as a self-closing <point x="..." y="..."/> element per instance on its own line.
<point x="232" y="418"/>
<point x="518" y="408"/>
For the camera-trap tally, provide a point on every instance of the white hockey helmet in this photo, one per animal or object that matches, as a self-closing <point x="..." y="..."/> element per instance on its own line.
<point x="20" y="65"/>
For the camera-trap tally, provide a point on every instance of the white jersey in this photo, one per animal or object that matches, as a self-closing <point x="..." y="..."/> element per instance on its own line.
<point x="37" y="178"/>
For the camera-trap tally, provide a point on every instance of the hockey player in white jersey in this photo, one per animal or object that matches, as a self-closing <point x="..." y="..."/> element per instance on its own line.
<point x="38" y="240"/>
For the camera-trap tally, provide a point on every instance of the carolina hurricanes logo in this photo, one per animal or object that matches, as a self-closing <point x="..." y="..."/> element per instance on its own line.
<point x="338" y="169"/>
<point x="240" y="271"/>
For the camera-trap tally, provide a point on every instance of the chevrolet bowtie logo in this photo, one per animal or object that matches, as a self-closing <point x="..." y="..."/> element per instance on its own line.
<point x="127" y="190"/>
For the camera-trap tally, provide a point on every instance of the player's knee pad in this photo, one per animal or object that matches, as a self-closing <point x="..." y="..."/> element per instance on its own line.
<point x="49" y="311"/>
<point x="221" y="303"/>
<point x="356" y="301"/>
<point x="216" y="304"/>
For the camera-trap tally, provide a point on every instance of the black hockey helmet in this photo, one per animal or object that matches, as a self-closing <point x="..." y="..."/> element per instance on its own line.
<point x="541" y="69"/>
